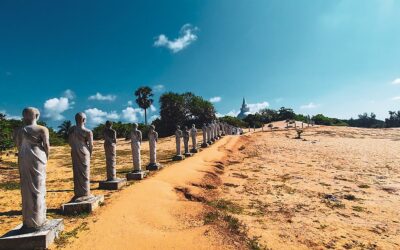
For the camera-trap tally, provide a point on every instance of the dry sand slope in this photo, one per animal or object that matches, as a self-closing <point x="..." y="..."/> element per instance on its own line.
<point x="337" y="189"/>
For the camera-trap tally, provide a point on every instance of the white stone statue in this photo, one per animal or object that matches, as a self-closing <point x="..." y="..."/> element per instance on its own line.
<point x="178" y="136"/>
<point x="81" y="141"/>
<point x="136" y="142"/>
<point x="186" y="137"/>
<point x="110" y="145"/>
<point x="193" y="135"/>
<point x="204" y="129"/>
<point x="33" y="145"/>
<point x="212" y="131"/>
<point x="209" y="138"/>
<point x="153" y="138"/>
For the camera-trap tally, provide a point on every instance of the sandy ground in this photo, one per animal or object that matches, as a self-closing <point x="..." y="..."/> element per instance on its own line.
<point x="336" y="189"/>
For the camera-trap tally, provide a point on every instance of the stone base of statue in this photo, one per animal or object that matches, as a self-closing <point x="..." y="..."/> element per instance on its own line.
<point x="153" y="166"/>
<point x="178" y="158"/>
<point x="85" y="206"/>
<point x="139" y="175"/>
<point x="39" y="239"/>
<point x="194" y="150"/>
<point x="204" y="145"/>
<point x="210" y="142"/>
<point x="187" y="154"/>
<point x="113" y="184"/>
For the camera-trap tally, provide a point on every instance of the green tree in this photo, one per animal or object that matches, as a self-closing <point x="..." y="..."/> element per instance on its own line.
<point x="64" y="128"/>
<point x="144" y="100"/>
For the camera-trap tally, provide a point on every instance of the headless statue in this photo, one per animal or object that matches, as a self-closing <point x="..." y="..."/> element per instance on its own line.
<point x="186" y="137"/>
<point x="178" y="136"/>
<point x="81" y="141"/>
<point x="110" y="145"/>
<point x="33" y="145"/>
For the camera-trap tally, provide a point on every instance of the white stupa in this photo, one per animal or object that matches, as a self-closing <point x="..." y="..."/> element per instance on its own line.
<point x="244" y="110"/>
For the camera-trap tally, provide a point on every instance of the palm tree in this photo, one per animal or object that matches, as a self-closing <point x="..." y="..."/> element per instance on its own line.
<point x="64" y="128"/>
<point x="143" y="99"/>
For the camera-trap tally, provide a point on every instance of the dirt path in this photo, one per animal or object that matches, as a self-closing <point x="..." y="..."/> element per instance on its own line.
<point x="151" y="214"/>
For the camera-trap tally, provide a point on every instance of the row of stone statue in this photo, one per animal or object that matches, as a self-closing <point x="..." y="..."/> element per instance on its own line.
<point x="32" y="141"/>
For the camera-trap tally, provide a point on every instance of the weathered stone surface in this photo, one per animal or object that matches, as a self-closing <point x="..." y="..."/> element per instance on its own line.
<point x="154" y="166"/>
<point x="113" y="184"/>
<point x="136" y="175"/>
<point x="38" y="239"/>
<point x="204" y="145"/>
<point x="32" y="141"/>
<point x="178" y="158"/>
<point x="86" y="206"/>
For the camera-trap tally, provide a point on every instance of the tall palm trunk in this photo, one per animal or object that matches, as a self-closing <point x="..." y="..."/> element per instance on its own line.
<point x="145" y="116"/>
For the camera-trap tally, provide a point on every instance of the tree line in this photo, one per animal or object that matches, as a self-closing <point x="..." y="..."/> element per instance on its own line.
<point x="185" y="109"/>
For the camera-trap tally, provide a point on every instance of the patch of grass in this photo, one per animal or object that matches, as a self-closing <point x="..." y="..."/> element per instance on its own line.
<point x="64" y="237"/>
<point x="210" y="217"/>
<point x="10" y="185"/>
<point x="363" y="186"/>
<point x="322" y="226"/>
<point x="254" y="244"/>
<point x="234" y="225"/>
<point x="227" y="206"/>
<point x="349" y="197"/>
<point x="358" y="208"/>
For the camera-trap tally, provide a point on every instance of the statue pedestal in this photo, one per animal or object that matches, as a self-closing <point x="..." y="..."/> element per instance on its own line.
<point x="88" y="206"/>
<point x="188" y="154"/>
<point x="136" y="175"/>
<point x="204" y="145"/>
<point x="112" y="185"/>
<point x="40" y="239"/>
<point x="153" y="167"/>
<point x="194" y="150"/>
<point x="178" y="158"/>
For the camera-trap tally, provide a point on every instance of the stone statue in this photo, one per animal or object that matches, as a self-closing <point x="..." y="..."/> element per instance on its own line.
<point x="193" y="134"/>
<point x="204" y="129"/>
<point x="212" y="131"/>
<point x="33" y="145"/>
<point x="186" y="137"/>
<point x="209" y="139"/>
<point x="81" y="141"/>
<point x="153" y="138"/>
<point x="110" y="145"/>
<point x="217" y="126"/>
<point x="136" y="141"/>
<point x="178" y="136"/>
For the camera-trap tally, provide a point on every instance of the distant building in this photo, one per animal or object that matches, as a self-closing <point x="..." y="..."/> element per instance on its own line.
<point x="244" y="110"/>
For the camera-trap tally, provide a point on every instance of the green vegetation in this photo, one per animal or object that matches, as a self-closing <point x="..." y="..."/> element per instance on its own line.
<point x="10" y="185"/>
<point x="227" y="206"/>
<point x="144" y="100"/>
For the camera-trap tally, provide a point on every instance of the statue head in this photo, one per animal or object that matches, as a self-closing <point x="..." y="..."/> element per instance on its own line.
<point x="80" y="118"/>
<point x="109" y="124"/>
<point x="135" y="126"/>
<point x="193" y="125"/>
<point x="152" y="128"/>
<point x="178" y="127"/>
<point x="30" y="115"/>
<point x="186" y="128"/>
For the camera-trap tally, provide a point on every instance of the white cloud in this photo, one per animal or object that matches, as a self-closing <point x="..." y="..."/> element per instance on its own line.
<point x="396" y="98"/>
<point x="10" y="117"/>
<point x="187" y="36"/>
<point x="55" y="107"/>
<point x="131" y="114"/>
<point x="97" y="116"/>
<point x="152" y="108"/>
<point x="311" y="105"/>
<point x="69" y="94"/>
<point x="99" y="97"/>
<point x="215" y="99"/>
<point x="396" y="81"/>
<point x="130" y="103"/>
<point x="255" y="107"/>
<point x="158" y="88"/>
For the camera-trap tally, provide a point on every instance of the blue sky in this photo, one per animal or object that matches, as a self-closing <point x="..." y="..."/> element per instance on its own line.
<point x="340" y="58"/>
